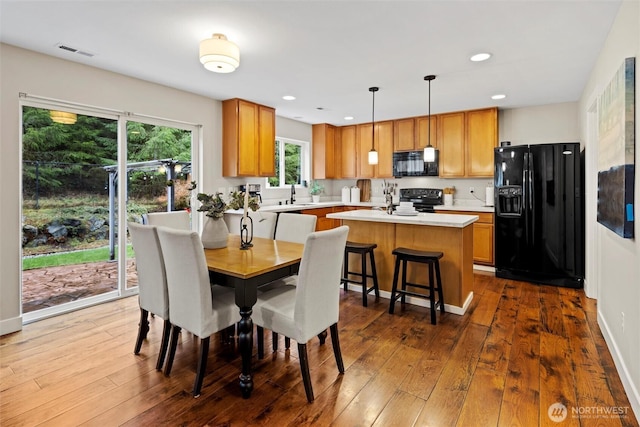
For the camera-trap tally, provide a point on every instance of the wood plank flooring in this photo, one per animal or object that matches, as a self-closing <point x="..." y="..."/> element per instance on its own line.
<point x="519" y="349"/>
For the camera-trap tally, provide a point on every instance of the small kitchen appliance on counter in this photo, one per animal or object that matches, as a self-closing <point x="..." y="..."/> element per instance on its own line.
<point x="423" y="199"/>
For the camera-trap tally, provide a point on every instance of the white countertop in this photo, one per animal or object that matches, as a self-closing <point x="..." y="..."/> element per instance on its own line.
<point x="308" y="205"/>
<point x="434" y="219"/>
<point x="328" y="204"/>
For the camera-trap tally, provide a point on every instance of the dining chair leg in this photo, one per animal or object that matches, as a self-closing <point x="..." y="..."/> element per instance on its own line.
<point x="175" y="334"/>
<point x="335" y="341"/>
<point x="322" y="336"/>
<point x="202" y="366"/>
<point x="260" y="333"/>
<point x="164" y="344"/>
<point x="143" y="329"/>
<point x="274" y="341"/>
<point x="304" y="368"/>
<point x="287" y="343"/>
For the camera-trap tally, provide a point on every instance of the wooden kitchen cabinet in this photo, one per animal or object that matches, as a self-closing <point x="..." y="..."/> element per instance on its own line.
<point x="481" y="139"/>
<point x="404" y="134"/>
<point x="466" y="140"/>
<point x="383" y="145"/>
<point x="411" y="134"/>
<point x="422" y="132"/>
<point x="483" y="239"/>
<point x="348" y="157"/>
<point x="326" y="151"/>
<point x="248" y="139"/>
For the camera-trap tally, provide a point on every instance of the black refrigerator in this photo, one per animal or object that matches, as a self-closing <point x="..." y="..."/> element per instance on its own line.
<point x="539" y="213"/>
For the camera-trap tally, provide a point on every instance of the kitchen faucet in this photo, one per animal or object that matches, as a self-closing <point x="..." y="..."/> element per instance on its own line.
<point x="293" y="193"/>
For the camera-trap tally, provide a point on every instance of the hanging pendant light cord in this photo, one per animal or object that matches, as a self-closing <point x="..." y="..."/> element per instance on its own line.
<point x="373" y="91"/>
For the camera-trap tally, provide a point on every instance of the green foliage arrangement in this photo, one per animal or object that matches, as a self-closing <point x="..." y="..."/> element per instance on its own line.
<point x="213" y="206"/>
<point x="316" y="188"/>
<point x="237" y="201"/>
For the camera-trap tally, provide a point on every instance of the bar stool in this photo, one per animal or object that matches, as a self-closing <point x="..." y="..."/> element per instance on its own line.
<point x="362" y="249"/>
<point x="405" y="255"/>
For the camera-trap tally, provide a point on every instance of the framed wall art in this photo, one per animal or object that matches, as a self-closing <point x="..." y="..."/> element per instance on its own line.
<point x="616" y="151"/>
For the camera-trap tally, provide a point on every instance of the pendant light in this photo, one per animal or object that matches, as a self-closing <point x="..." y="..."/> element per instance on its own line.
<point x="373" y="154"/>
<point x="429" y="150"/>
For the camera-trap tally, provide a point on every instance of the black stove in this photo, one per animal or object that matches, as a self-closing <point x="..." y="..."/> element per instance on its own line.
<point x="424" y="199"/>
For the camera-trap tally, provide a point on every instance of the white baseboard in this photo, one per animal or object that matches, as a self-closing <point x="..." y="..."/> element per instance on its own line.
<point x="484" y="268"/>
<point x="9" y="326"/>
<point x="421" y="302"/>
<point x="627" y="381"/>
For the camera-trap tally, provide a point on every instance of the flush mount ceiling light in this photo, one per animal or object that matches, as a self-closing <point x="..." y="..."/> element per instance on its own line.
<point x="429" y="150"/>
<point x="219" y="55"/>
<point x="63" y="117"/>
<point x="288" y="97"/>
<point x="373" y="154"/>
<point x="479" y="57"/>
<point x="499" y="96"/>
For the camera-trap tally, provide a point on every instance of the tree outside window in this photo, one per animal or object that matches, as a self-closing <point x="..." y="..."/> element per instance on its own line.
<point x="292" y="159"/>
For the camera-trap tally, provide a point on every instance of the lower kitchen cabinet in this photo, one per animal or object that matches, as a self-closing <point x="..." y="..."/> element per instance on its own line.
<point x="482" y="236"/>
<point x="324" y="223"/>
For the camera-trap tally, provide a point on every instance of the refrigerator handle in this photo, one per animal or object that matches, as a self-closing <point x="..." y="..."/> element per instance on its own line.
<point x="530" y="182"/>
<point x="525" y="172"/>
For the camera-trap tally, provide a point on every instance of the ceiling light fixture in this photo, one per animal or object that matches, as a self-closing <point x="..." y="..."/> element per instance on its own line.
<point x="373" y="154"/>
<point x="288" y="97"/>
<point x="479" y="57"/>
<point x="63" y="117"/>
<point x="429" y="150"/>
<point x="499" y="96"/>
<point x="348" y="117"/>
<point x="219" y="55"/>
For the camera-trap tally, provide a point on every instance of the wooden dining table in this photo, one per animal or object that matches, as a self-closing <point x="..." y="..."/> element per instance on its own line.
<point x="246" y="270"/>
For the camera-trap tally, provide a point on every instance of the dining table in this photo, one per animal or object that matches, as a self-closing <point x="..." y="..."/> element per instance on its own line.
<point x="246" y="270"/>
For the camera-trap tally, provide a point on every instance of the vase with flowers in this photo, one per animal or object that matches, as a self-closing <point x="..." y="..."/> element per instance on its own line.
<point x="215" y="231"/>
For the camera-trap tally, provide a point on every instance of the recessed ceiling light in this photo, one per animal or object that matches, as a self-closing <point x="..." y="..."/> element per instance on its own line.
<point x="499" y="96"/>
<point x="288" y="97"/>
<point x="478" y="57"/>
<point x="348" y="118"/>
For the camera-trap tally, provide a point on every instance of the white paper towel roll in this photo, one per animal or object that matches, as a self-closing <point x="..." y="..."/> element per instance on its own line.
<point x="346" y="194"/>
<point x="355" y="195"/>
<point x="489" y="196"/>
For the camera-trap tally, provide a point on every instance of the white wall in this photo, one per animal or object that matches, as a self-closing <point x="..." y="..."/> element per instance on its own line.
<point x="41" y="75"/>
<point x="616" y="261"/>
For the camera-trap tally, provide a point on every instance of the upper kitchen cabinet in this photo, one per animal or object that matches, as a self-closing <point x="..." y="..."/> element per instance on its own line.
<point x="326" y="151"/>
<point x="248" y="139"/>
<point x="347" y="149"/>
<point x="466" y="141"/>
<point x="383" y="145"/>
<point x="422" y="132"/>
<point x="412" y="133"/>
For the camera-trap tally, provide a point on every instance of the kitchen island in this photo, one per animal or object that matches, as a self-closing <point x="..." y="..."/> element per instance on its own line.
<point x="447" y="233"/>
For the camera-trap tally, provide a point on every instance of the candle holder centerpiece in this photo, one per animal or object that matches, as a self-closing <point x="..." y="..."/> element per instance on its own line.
<point x="242" y="200"/>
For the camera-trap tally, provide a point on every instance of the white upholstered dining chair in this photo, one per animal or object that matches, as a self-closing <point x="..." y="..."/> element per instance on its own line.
<point x="194" y="304"/>
<point x="290" y="227"/>
<point x="152" y="285"/>
<point x="174" y="219"/>
<point x="303" y="311"/>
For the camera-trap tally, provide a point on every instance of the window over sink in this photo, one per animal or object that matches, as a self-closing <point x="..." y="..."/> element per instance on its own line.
<point x="292" y="163"/>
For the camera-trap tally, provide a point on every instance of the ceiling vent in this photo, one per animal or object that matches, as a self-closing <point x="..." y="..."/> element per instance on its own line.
<point x="74" y="50"/>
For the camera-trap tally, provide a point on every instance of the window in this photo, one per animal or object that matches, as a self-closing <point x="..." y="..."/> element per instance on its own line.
<point x="292" y="163"/>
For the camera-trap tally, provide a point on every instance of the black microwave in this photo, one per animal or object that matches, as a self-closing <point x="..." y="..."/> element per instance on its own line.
<point x="411" y="163"/>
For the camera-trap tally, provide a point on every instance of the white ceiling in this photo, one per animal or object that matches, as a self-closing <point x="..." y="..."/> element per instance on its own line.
<point x="328" y="53"/>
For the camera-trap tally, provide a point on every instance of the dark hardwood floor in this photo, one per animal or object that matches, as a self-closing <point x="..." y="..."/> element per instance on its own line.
<point x="519" y="349"/>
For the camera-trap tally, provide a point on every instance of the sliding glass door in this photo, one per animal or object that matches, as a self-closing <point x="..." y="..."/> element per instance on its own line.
<point x="79" y="168"/>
